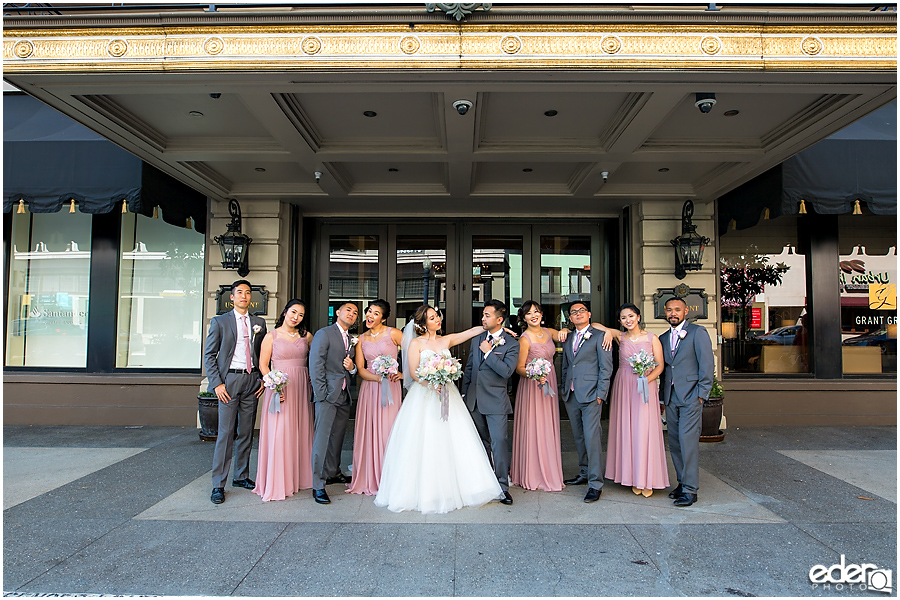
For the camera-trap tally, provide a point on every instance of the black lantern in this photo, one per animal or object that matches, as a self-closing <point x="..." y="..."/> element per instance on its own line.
<point x="689" y="245"/>
<point x="235" y="245"/>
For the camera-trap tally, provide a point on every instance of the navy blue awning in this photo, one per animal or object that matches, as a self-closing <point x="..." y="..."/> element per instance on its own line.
<point x="857" y="163"/>
<point x="49" y="159"/>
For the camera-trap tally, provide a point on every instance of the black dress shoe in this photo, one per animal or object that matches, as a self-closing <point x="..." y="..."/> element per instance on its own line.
<point x="592" y="495"/>
<point x="244" y="483"/>
<point x="339" y="478"/>
<point x="321" y="497"/>
<point x="676" y="493"/>
<point x="686" y="499"/>
<point x="506" y="499"/>
<point x="577" y="480"/>
<point x="218" y="496"/>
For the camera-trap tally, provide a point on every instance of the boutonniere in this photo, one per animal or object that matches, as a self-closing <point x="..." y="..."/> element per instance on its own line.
<point x="682" y="334"/>
<point x="499" y="342"/>
<point x="587" y="335"/>
<point x="353" y="341"/>
<point x="256" y="329"/>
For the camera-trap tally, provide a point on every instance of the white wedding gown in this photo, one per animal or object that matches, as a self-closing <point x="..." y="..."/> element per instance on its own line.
<point x="435" y="466"/>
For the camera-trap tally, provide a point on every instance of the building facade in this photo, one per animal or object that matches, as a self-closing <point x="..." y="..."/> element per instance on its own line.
<point x="519" y="152"/>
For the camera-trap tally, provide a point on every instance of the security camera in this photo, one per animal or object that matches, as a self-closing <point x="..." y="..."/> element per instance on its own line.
<point x="605" y="176"/>
<point x="318" y="175"/>
<point x="215" y="95"/>
<point x="705" y="102"/>
<point x="462" y="106"/>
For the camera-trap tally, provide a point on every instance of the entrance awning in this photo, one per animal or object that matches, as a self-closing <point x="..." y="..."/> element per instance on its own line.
<point x="49" y="159"/>
<point x="857" y="163"/>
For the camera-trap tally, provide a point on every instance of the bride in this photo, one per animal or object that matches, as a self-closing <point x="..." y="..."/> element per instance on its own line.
<point x="431" y="465"/>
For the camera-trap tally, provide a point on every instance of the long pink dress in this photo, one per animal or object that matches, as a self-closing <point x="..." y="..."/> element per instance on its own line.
<point x="636" y="454"/>
<point x="536" y="456"/>
<point x="373" y="421"/>
<point x="285" y="438"/>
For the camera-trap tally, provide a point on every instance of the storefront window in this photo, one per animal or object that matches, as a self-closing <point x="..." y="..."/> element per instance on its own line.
<point x="413" y="252"/>
<point x="352" y="272"/>
<point x="565" y="275"/>
<point x="868" y="282"/>
<point x="160" y="295"/>
<point x="48" y="300"/>
<point x="763" y="284"/>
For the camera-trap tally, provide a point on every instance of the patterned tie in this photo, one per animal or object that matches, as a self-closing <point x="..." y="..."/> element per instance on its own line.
<point x="246" y="323"/>
<point x="577" y="342"/>
<point x="674" y="336"/>
<point x="346" y="348"/>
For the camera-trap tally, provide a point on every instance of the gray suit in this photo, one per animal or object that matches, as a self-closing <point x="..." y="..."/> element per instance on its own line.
<point x="688" y="377"/>
<point x="588" y="372"/>
<point x="217" y="355"/>
<point x="484" y="388"/>
<point x="326" y="369"/>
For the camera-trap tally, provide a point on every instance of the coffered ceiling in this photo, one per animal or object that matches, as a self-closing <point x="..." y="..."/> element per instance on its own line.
<point x="542" y="140"/>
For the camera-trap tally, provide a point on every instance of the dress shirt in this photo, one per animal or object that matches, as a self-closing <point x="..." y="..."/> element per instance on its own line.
<point x="239" y="357"/>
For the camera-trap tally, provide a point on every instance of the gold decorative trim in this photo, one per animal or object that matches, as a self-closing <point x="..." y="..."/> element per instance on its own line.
<point x="611" y="44"/>
<point x="23" y="49"/>
<point x="511" y="44"/>
<point x="117" y="48"/>
<point x="214" y="45"/>
<point x="311" y="45"/>
<point x="811" y="45"/>
<point x="409" y="45"/>
<point x="710" y="45"/>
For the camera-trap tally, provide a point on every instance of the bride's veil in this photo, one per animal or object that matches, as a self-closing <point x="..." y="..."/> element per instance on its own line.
<point x="409" y="334"/>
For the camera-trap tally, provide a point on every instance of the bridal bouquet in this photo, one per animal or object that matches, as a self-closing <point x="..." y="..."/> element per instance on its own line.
<point x="642" y="363"/>
<point x="275" y="381"/>
<point x="385" y="366"/>
<point x="440" y="370"/>
<point x="537" y="368"/>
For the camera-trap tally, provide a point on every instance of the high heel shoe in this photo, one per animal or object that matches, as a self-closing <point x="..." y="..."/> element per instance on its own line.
<point x="637" y="491"/>
<point x="647" y="493"/>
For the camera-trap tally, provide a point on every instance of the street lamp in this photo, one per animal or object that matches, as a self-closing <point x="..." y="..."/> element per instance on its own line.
<point x="426" y="275"/>
<point x="689" y="245"/>
<point x="235" y="245"/>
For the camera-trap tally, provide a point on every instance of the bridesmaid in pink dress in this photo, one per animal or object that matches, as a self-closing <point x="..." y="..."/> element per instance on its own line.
<point x="374" y="415"/>
<point x="285" y="438"/>
<point x="536" y="456"/>
<point x="636" y="454"/>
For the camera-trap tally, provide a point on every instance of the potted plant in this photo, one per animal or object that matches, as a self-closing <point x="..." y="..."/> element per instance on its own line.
<point x="712" y="414"/>
<point x="208" y="406"/>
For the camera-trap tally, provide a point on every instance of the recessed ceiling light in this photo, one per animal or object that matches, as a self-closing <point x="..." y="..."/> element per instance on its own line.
<point x="260" y="169"/>
<point x="731" y="113"/>
<point x="393" y="170"/>
<point x="550" y="113"/>
<point x="195" y="113"/>
<point x="527" y="170"/>
<point x="370" y="113"/>
<point x="664" y="170"/>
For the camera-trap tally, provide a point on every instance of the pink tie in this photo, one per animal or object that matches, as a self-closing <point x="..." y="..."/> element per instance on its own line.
<point x="674" y="335"/>
<point x="577" y="342"/>
<point x="244" y="320"/>
<point x="344" y="335"/>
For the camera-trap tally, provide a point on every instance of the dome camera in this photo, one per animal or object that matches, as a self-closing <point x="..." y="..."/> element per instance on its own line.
<point x="462" y="106"/>
<point x="705" y="102"/>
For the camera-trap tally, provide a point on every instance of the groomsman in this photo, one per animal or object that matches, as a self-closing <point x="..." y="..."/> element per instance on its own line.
<point x="330" y="369"/>
<point x="688" y="380"/>
<point x="492" y="359"/>
<point x="231" y="358"/>
<point x="586" y="369"/>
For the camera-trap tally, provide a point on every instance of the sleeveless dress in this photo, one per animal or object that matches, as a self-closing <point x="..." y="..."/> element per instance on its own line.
<point x="373" y="421"/>
<point x="536" y="455"/>
<point x="636" y="454"/>
<point x="435" y="466"/>
<point x="285" y="438"/>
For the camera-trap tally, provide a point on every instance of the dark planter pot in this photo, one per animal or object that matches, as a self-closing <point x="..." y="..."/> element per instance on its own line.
<point x="209" y="418"/>
<point x="712" y="416"/>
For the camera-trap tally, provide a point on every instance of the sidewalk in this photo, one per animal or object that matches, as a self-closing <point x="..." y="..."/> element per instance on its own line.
<point x="115" y="510"/>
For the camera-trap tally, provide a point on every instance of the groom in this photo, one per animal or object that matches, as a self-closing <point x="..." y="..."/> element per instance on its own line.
<point x="586" y="369"/>
<point x="330" y="368"/>
<point x="492" y="359"/>
<point x="231" y="358"/>
<point x="687" y="350"/>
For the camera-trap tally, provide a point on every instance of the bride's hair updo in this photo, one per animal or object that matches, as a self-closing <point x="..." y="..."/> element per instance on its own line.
<point x="421" y="318"/>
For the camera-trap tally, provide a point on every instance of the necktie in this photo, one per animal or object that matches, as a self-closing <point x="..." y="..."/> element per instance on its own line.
<point x="674" y="336"/>
<point x="246" y="323"/>
<point x="344" y="335"/>
<point x="577" y="342"/>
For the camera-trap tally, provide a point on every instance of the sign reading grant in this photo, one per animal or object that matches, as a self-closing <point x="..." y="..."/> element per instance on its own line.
<point x="259" y="300"/>
<point x="696" y="300"/>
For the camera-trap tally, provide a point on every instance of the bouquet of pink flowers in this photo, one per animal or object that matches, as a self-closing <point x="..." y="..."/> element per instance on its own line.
<point x="385" y="366"/>
<point x="642" y="363"/>
<point x="275" y="381"/>
<point x="438" y="371"/>
<point x="538" y="368"/>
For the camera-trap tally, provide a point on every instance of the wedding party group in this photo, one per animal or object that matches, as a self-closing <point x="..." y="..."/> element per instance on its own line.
<point x="423" y="444"/>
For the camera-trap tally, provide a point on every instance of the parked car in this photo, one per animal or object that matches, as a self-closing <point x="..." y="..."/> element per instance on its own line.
<point x="782" y="335"/>
<point x="874" y="338"/>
